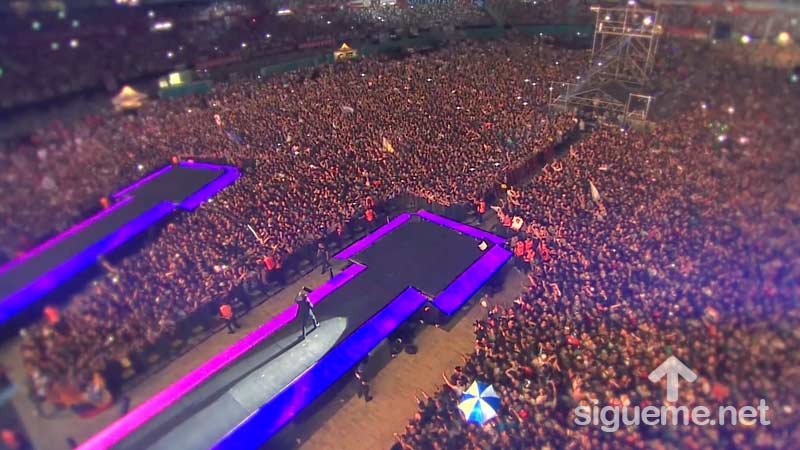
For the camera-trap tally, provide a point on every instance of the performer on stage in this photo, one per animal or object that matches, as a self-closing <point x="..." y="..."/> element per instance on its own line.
<point x="305" y="309"/>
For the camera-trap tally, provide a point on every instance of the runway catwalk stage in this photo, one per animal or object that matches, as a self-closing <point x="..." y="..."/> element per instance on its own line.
<point x="186" y="185"/>
<point x="240" y="398"/>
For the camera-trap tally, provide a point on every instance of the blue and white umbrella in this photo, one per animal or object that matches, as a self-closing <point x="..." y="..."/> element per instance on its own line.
<point x="479" y="403"/>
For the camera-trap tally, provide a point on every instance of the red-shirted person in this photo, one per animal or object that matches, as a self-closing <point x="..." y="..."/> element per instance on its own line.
<point x="269" y="266"/>
<point x="51" y="314"/>
<point x="528" y="258"/>
<point x="506" y="220"/>
<point x="519" y="249"/>
<point x="528" y="244"/>
<point x="481" y="207"/>
<point x="12" y="440"/>
<point x="544" y="252"/>
<point x="370" y="216"/>
<point x="519" y="253"/>
<point x="269" y="263"/>
<point x="226" y="312"/>
<point x="53" y="317"/>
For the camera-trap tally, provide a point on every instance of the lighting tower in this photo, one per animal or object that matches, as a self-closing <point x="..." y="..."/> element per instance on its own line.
<point x="622" y="59"/>
<point x="625" y="43"/>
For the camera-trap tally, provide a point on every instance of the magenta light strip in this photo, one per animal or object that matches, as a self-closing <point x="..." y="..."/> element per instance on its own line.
<point x="458" y="226"/>
<point x="370" y="239"/>
<point x="161" y="401"/>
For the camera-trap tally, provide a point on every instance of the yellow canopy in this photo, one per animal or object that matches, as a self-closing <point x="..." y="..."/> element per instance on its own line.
<point x="128" y="98"/>
<point x="345" y="52"/>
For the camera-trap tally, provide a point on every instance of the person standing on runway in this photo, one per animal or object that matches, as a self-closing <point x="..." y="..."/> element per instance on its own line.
<point x="305" y="310"/>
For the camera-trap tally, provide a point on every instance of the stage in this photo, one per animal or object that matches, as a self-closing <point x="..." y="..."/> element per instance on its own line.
<point x="186" y="185"/>
<point x="243" y="396"/>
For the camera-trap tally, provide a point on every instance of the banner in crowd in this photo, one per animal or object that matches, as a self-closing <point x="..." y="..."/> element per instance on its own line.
<point x="387" y="146"/>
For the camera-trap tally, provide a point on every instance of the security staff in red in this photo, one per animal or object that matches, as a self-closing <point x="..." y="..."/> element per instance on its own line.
<point x="544" y="251"/>
<point x="370" y="216"/>
<point x="226" y="312"/>
<point x="480" y="207"/>
<point x="528" y="258"/>
<point x="528" y="245"/>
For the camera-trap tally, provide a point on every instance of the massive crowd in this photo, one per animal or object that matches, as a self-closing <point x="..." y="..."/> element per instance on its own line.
<point x="425" y="15"/>
<point x="680" y="241"/>
<point x="454" y="120"/>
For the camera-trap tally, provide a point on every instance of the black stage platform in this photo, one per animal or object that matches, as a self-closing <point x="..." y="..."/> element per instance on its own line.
<point x="419" y="253"/>
<point x="26" y="279"/>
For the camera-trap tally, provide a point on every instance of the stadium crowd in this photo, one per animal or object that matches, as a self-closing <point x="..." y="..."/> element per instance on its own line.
<point x="640" y="245"/>
<point x="442" y="126"/>
<point x="680" y="241"/>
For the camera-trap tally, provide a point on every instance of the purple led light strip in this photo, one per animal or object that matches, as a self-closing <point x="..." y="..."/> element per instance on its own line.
<point x="370" y="239"/>
<point x="458" y="226"/>
<point x="229" y="176"/>
<point x="462" y="288"/>
<point x="270" y="417"/>
<point x="161" y="401"/>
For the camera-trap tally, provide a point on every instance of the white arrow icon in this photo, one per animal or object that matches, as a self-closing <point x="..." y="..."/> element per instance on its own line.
<point x="672" y="367"/>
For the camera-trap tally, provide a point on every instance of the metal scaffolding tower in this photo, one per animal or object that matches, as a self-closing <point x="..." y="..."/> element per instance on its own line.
<point x="625" y="43"/>
<point x="622" y="59"/>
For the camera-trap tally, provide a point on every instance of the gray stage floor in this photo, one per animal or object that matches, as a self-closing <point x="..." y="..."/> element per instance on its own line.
<point x="282" y="362"/>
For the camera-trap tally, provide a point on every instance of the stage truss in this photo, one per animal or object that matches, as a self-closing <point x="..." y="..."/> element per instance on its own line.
<point x="623" y="56"/>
